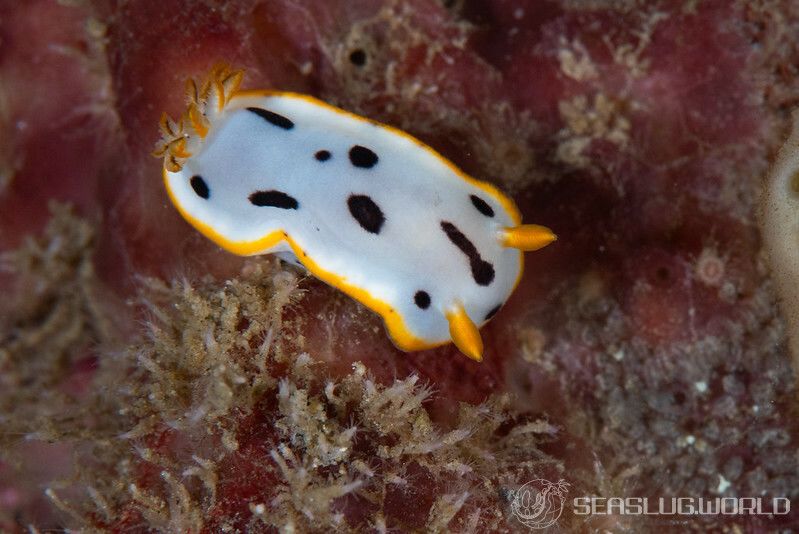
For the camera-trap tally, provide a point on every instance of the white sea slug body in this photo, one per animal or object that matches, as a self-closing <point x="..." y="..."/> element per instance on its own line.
<point x="362" y="206"/>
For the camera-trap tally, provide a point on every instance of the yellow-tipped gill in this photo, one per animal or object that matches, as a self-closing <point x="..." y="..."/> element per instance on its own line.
<point x="527" y="237"/>
<point x="464" y="333"/>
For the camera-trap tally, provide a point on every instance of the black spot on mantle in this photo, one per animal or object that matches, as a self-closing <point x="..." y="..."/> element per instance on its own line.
<point x="274" y="199"/>
<point x="482" y="271"/>
<point x="362" y="157"/>
<point x="200" y="187"/>
<point x="482" y="206"/>
<point x="366" y="212"/>
<point x="273" y="118"/>
<point x="422" y="299"/>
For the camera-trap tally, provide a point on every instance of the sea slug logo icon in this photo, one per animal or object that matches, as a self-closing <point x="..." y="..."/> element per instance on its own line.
<point x="539" y="503"/>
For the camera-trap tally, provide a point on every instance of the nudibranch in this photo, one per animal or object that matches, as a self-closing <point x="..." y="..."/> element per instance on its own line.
<point x="363" y="206"/>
